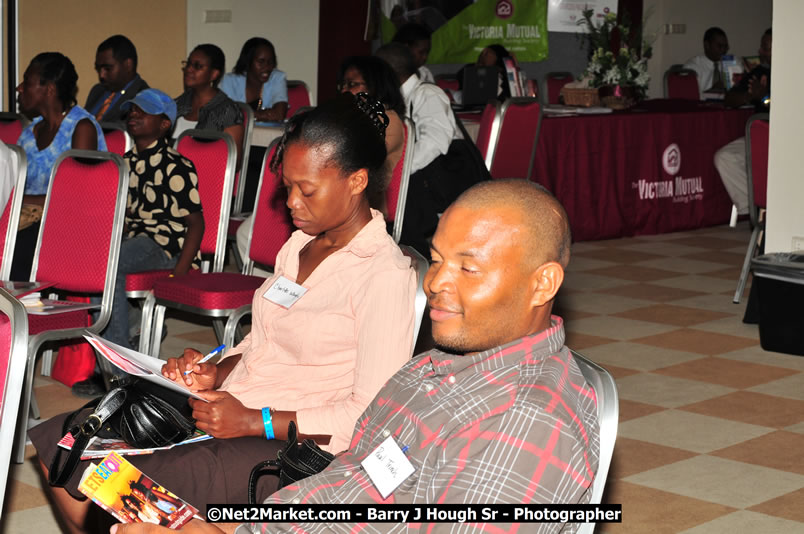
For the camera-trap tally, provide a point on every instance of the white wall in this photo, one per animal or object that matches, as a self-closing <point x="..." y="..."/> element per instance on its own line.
<point x="785" y="170"/>
<point x="744" y="21"/>
<point x="292" y="26"/>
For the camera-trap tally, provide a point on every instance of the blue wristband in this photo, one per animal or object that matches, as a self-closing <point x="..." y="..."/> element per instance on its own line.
<point x="268" y="423"/>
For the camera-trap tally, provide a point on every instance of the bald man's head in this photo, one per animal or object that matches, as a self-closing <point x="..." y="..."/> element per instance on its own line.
<point x="545" y="226"/>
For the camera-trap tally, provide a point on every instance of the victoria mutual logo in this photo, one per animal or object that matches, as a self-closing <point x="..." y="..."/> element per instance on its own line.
<point x="504" y="9"/>
<point x="678" y="188"/>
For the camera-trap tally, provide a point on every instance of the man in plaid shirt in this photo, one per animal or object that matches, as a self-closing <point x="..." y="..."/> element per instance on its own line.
<point x="500" y="413"/>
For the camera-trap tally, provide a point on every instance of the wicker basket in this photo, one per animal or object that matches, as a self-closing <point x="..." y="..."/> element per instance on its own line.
<point x="582" y="97"/>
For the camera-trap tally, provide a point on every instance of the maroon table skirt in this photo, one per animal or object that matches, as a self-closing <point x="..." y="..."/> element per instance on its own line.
<point x="648" y="170"/>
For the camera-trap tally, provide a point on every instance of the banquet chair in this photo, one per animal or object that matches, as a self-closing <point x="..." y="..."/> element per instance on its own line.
<point x="78" y="249"/>
<point x="681" y="83"/>
<point x="219" y="294"/>
<point x="447" y="82"/>
<point x="117" y="139"/>
<point x="396" y="194"/>
<point x="553" y="82"/>
<point x="9" y="221"/>
<point x="238" y="215"/>
<point x="214" y="155"/>
<point x="299" y="96"/>
<point x="757" y="132"/>
<point x="608" y="411"/>
<point x="420" y="265"/>
<point x="13" y="347"/>
<point x="11" y="126"/>
<point x="489" y="125"/>
<point x="515" y="132"/>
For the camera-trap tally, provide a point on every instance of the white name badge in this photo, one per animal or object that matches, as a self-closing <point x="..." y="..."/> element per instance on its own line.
<point x="284" y="292"/>
<point x="387" y="467"/>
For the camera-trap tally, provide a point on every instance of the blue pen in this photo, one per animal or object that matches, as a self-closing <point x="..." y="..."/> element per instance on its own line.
<point x="206" y="358"/>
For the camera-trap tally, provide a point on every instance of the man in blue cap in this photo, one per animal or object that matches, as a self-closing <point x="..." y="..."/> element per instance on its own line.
<point x="164" y="223"/>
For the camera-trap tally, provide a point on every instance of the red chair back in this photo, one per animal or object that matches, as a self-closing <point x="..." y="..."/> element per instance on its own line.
<point x="514" y="146"/>
<point x="11" y="126"/>
<point x="448" y="83"/>
<point x="298" y="96"/>
<point x="82" y="221"/>
<point x="681" y="83"/>
<point x="117" y="139"/>
<point x="214" y="156"/>
<point x="240" y="186"/>
<point x="757" y="139"/>
<point x="397" y="192"/>
<point x="490" y="112"/>
<point x="9" y="220"/>
<point x="272" y="222"/>
<point x="555" y="81"/>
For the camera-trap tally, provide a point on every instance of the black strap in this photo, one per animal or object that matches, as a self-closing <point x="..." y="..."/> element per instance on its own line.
<point x="83" y="432"/>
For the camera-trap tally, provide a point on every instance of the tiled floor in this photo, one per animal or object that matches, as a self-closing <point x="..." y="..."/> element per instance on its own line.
<point x="711" y="435"/>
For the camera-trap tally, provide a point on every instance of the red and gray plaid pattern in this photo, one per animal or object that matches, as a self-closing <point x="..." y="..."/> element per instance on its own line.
<point x="514" y="424"/>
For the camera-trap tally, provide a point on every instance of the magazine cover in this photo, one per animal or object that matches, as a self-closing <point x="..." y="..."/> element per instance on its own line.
<point x="100" y="447"/>
<point x="130" y="496"/>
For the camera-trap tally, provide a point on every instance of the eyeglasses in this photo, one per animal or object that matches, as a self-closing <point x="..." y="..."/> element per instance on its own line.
<point x="349" y="84"/>
<point x="195" y="65"/>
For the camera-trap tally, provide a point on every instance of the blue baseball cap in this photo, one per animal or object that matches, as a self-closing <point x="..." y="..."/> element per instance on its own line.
<point x="153" y="102"/>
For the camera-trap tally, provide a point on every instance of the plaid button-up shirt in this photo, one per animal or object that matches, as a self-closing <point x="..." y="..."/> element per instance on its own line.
<point x="514" y="424"/>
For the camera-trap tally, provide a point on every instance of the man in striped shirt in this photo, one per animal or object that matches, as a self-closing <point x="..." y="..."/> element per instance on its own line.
<point x="499" y="413"/>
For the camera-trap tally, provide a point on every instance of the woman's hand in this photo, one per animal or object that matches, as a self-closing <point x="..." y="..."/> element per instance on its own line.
<point x="202" y="377"/>
<point x="224" y="416"/>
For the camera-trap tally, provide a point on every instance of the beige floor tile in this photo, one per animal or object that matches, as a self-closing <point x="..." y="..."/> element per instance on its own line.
<point x="786" y="506"/>
<point x="661" y="247"/>
<point x="632" y="409"/>
<point x="720" y="481"/>
<point x="726" y="372"/>
<point x="731" y="274"/>
<point x="698" y="341"/>
<point x="743" y="522"/>
<point x="638" y="356"/>
<point x="715" y="302"/>
<point x="635" y="273"/>
<point x="753" y="408"/>
<point x="703" y="241"/>
<point x="597" y="302"/>
<point x="619" y="255"/>
<point x="632" y="456"/>
<point x="618" y="328"/>
<point x="673" y="315"/>
<point x="582" y="342"/>
<point x="757" y="355"/>
<point x="667" y="391"/>
<point x="733" y="326"/>
<point x="583" y="246"/>
<point x="791" y="387"/>
<point x="701" y="283"/>
<point x="579" y="263"/>
<point x="723" y="257"/>
<point x="27" y="472"/>
<point x="689" y="431"/>
<point x="586" y="281"/>
<point x="651" y="292"/>
<point x="777" y="450"/>
<point x="685" y="265"/>
<point x="39" y="519"/>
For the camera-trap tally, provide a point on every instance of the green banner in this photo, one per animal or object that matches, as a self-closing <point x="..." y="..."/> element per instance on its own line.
<point x="519" y="25"/>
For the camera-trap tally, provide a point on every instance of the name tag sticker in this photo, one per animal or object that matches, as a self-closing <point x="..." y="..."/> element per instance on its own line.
<point x="284" y="292"/>
<point x="387" y="467"/>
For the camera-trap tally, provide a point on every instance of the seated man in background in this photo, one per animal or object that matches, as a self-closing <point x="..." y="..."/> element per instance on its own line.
<point x="444" y="163"/>
<point x="753" y="89"/>
<point x="164" y="223"/>
<point x="116" y="65"/>
<point x="501" y="413"/>
<point x="707" y="66"/>
<point x="417" y="38"/>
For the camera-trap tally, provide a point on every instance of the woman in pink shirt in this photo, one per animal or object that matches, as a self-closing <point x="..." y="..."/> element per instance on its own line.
<point x="318" y="359"/>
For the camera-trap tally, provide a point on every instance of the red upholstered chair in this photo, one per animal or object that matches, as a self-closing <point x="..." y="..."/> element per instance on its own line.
<point x="681" y="83"/>
<point x="218" y="294"/>
<point x="447" y="83"/>
<point x="512" y="146"/>
<point x="397" y="192"/>
<point x="299" y="96"/>
<point x="11" y="126"/>
<point x="13" y="348"/>
<point x="9" y="221"/>
<point x="78" y="249"/>
<point x="238" y="214"/>
<point x="757" y="141"/>
<point x="117" y="139"/>
<point x="553" y="82"/>
<point x="489" y="120"/>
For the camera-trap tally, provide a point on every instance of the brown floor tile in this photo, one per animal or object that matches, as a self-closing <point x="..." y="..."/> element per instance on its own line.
<point x="778" y="450"/>
<point x="632" y="456"/>
<point x="719" y="256"/>
<point x="579" y="342"/>
<point x="618" y="255"/>
<point x="711" y="243"/>
<point x="726" y="372"/>
<point x="753" y="408"/>
<point x="732" y="273"/>
<point x="620" y="372"/>
<point x="634" y="273"/>
<point x="56" y="399"/>
<point x="646" y="510"/>
<point x="22" y="496"/>
<point x="651" y="292"/>
<point x="569" y="315"/>
<point x="633" y="409"/>
<point x="205" y="336"/>
<point x="674" y="315"/>
<point x="787" y="506"/>
<point x="697" y="341"/>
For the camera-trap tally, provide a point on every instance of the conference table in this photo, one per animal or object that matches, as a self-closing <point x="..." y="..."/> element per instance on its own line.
<point x="646" y="170"/>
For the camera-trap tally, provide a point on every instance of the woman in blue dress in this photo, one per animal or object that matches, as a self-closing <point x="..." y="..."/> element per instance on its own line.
<point x="47" y="94"/>
<point x="256" y="81"/>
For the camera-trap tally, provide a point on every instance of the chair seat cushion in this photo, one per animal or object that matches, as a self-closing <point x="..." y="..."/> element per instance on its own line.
<point x="58" y="321"/>
<point x="234" y="224"/>
<point x="145" y="280"/>
<point x="211" y="291"/>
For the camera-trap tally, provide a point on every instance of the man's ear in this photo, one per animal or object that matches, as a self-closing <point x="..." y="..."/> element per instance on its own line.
<point x="164" y="126"/>
<point x="358" y="181"/>
<point x="129" y="64"/>
<point x="545" y="283"/>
